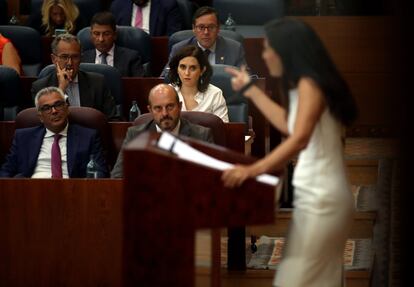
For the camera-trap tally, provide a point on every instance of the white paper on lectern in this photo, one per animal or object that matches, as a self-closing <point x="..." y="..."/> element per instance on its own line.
<point x="169" y="142"/>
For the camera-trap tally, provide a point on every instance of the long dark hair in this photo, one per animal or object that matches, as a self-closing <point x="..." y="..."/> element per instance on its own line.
<point x="196" y="52"/>
<point x="303" y="55"/>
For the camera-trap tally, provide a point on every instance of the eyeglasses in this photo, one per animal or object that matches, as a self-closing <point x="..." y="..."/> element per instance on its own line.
<point x="58" y="106"/>
<point x="65" y="57"/>
<point x="210" y="28"/>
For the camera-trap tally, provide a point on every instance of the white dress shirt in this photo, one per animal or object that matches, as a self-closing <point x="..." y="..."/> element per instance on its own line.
<point x="72" y="92"/>
<point x="44" y="161"/>
<point x="145" y="16"/>
<point x="211" y="101"/>
<point x="109" y="57"/>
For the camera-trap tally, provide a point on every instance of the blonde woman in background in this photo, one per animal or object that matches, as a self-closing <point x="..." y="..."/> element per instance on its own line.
<point x="8" y="55"/>
<point x="57" y="14"/>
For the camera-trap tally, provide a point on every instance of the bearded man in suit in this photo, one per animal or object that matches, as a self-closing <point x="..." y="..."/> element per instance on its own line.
<point x="165" y="107"/>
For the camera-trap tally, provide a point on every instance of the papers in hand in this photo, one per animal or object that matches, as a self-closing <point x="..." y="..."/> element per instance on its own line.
<point x="170" y="143"/>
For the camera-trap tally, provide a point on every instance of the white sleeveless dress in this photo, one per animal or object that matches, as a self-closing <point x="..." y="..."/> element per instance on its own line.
<point x="323" y="208"/>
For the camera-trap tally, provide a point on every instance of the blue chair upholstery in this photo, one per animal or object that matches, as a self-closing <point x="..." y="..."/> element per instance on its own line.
<point x="10" y="93"/>
<point x="249" y="15"/>
<point x="185" y="34"/>
<point x="236" y="104"/>
<point x="111" y="74"/>
<point x="28" y="43"/>
<point x="128" y="37"/>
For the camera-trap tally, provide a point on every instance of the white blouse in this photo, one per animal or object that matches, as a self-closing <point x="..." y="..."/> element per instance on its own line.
<point x="211" y="101"/>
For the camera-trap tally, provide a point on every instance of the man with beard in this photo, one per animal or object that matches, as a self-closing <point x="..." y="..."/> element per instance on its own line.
<point x="156" y="17"/>
<point x="55" y="149"/>
<point x="103" y="37"/>
<point x="165" y="107"/>
<point x="82" y="88"/>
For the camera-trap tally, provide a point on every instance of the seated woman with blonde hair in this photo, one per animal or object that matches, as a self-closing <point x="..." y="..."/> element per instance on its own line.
<point x="57" y="14"/>
<point x="190" y="74"/>
<point x="8" y="55"/>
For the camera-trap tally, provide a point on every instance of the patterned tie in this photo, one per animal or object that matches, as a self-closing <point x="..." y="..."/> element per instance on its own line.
<point x="138" y="18"/>
<point x="103" y="58"/>
<point x="207" y="53"/>
<point x="56" y="158"/>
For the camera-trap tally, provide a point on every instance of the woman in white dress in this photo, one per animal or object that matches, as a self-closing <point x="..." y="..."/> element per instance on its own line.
<point x="319" y="104"/>
<point x="190" y="74"/>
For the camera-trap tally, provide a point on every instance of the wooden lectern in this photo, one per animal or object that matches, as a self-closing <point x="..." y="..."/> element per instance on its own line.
<point x="133" y="232"/>
<point x="166" y="199"/>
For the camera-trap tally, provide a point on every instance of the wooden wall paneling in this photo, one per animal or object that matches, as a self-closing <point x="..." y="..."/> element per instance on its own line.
<point x="159" y="54"/>
<point x="137" y="89"/>
<point x="60" y="232"/>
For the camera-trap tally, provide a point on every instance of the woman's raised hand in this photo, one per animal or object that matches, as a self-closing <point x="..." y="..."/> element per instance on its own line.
<point x="240" y="78"/>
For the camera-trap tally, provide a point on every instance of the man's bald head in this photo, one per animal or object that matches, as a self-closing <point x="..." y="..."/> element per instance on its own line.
<point x="165" y="106"/>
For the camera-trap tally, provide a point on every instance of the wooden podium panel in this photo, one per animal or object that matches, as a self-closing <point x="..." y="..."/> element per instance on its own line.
<point x="60" y="232"/>
<point x="168" y="198"/>
<point x="133" y="232"/>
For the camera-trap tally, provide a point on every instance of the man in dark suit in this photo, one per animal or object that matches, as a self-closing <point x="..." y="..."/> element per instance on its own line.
<point x="56" y="148"/>
<point x="165" y="107"/>
<point x="82" y="88"/>
<point x="156" y="17"/>
<point x="103" y="36"/>
<point x="219" y="50"/>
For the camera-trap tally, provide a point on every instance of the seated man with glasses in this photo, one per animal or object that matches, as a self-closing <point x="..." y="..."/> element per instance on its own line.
<point x="103" y="37"/>
<point x="82" y="88"/>
<point x="218" y="49"/>
<point x="165" y="107"/>
<point x="55" y="149"/>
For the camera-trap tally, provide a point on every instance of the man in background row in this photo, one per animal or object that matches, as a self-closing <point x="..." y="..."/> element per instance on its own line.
<point x="156" y="17"/>
<point x="218" y="49"/>
<point x="55" y="149"/>
<point x="82" y="88"/>
<point x="103" y="37"/>
<point x="165" y="107"/>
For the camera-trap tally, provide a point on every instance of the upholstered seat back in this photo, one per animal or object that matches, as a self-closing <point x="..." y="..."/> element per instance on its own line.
<point x="128" y="37"/>
<point x="236" y="103"/>
<point x="28" y="43"/>
<point x="10" y="94"/>
<point x="200" y="118"/>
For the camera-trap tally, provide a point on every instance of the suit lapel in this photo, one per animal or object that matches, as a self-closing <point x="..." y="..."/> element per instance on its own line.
<point x="184" y="128"/>
<point x="153" y="16"/>
<point x="85" y="92"/>
<point x="35" y="143"/>
<point x="220" y="54"/>
<point x="117" y="58"/>
<point x="72" y="141"/>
